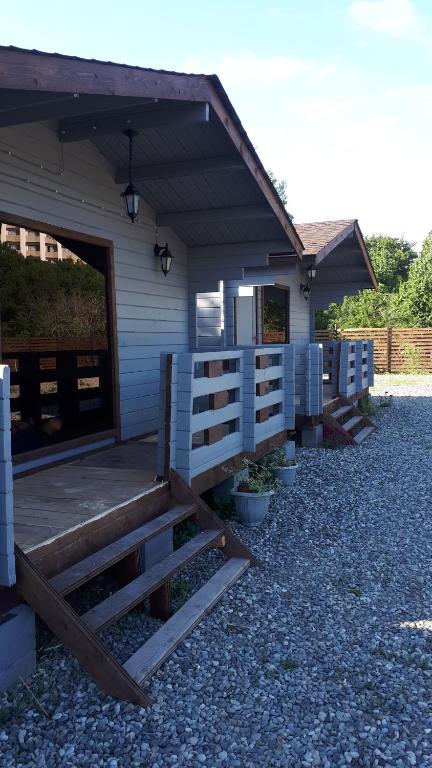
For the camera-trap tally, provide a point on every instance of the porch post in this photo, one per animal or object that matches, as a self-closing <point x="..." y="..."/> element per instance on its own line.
<point x="7" y="556"/>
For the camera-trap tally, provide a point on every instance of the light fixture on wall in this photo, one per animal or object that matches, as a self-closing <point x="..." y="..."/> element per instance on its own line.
<point x="311" y="272"/>
<point x="131" y="195"/>
<point x="305" y="289"/>
<point x="164" y="254"/>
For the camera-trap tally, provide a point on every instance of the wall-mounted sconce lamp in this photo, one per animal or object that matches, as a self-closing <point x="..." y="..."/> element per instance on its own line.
<point x="311" y="272"/>
<point x="305" y="289"/>
<point x="164" y="254"/>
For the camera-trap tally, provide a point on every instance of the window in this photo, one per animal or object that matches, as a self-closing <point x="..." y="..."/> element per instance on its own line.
<point x="275" y="315"/>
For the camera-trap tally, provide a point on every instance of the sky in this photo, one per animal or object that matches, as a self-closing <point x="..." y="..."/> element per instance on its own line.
<point x="336" y="95"/>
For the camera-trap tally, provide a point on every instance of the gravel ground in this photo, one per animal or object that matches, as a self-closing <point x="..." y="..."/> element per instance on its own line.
<point x="323" y="657"/>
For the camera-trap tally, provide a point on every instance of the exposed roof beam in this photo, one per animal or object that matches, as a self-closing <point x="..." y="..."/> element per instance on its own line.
<point x="56" y="107"/>
<point x="258" y="247"/>
<point x="144" y="119"/>
<point x="236" y="213"/>
<point x="182" y="168"/>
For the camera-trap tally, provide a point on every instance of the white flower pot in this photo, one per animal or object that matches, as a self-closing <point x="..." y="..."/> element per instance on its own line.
<point x="286" y="475"/>
<point x="290" y="449"/>
<point x="252" y="507"/>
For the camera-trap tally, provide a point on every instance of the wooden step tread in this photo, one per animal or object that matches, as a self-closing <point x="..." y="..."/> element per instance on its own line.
<point x="136" y="591"/>
<point x="99" y="561"/>
<point x="142" y="664"/>
<point x="351" y="423"/>
<point x="341" y="411"/>
<point x="363" y="434"/>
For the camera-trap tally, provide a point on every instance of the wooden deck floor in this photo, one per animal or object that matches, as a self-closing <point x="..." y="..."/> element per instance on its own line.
<point x="53" y="501"/>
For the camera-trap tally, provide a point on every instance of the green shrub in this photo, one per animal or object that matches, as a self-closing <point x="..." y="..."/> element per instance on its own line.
<point x="411" y="358"/>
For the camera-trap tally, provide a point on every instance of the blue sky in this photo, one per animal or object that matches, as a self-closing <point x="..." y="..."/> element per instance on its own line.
<point x="335" y="94"/>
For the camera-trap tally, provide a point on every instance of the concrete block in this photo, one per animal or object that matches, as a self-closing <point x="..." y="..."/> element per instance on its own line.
<point x="17" y="645"/>
<point x="312" y="437"/>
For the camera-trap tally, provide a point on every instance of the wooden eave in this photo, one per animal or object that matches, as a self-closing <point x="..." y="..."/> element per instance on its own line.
<point x="54" y="73"/>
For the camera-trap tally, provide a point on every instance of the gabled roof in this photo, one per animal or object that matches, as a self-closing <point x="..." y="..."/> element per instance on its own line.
<point x="322" y="238"/>
<point x="80" y="93"/>
<point x="320" y="235"/>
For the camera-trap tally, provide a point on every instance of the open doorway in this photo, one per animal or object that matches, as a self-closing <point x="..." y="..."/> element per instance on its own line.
<point x="56" y="336"/>
<point x="275" y="315"/>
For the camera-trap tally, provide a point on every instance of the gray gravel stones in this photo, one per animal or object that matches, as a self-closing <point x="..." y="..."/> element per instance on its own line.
<point x="322" y="657"/>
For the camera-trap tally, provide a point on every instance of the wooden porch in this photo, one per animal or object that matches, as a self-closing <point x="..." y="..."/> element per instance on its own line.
<point x="50" y="503"/>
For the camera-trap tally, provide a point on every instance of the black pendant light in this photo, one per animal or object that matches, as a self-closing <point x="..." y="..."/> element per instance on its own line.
<point x="165" y="256"/>
<point x="131" y="195"/>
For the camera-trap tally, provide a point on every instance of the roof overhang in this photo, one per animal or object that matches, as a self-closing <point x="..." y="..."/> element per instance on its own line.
<point x="194" y="163"/>
<point x="338" y="251"/>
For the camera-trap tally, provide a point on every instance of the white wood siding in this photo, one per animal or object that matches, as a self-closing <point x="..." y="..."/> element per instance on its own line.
<point x="72" y="186"/>
<point x="209" y="320"/>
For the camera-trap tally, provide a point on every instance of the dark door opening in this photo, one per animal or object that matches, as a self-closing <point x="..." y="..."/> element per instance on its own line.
<point x="275" y="315"/>
<point x="56" y="337"/>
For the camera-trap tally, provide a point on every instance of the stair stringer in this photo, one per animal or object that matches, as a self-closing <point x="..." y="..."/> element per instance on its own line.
<point x="206" y="518"/>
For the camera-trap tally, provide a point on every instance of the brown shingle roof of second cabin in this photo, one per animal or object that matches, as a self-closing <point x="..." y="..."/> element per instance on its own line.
<point x="319" y="234"/>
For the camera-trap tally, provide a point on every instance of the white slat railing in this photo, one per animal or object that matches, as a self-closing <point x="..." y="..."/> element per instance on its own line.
<point x="215" y="405"/>
<point x="309" y="379"/>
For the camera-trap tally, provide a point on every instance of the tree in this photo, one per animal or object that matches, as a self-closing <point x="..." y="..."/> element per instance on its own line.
<point x="415" y="296"/>
<point x="280" y="186"/>
<point x="392" y="259"/>
<point x="39" y="298"/>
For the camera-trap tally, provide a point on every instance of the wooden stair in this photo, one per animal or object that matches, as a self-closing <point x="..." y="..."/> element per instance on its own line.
<point x="47" y="594"/>
<point x="347" y="422"/>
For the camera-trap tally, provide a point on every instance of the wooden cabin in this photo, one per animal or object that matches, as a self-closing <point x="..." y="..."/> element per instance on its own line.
<point x="122" y="398"/>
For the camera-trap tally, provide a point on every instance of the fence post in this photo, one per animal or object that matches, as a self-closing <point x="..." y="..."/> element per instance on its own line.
<point x="389" y="349"/>
<point x="7" y="556"/>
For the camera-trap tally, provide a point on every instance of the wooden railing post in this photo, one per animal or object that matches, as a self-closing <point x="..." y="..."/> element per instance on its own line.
<point x="289" y="385"/>
<point x="389" y="349"/>
<point x="358" y="365"/>
<point x="7" y="553"/>
<point x="314" y="380"/>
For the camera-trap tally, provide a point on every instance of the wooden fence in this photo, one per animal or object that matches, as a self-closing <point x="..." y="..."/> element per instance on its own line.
<point x="396" y="350"/>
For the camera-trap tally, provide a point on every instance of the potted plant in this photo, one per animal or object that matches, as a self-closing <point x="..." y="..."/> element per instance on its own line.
<point x="254" y="490"/>
<point x="283" y="468"/>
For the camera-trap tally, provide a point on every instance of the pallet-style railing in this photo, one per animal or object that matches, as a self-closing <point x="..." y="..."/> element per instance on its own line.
<point x="309" y="379"/>
<point x="66" y="378"/>
<point x="216" y="405"/>
<point x="331" y="360"/>
<point x="348" y="366"/>
<point x="7" y="557"/>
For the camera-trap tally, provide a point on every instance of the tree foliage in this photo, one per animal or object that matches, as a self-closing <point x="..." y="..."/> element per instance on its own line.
<point x="404" y="293"/>
<point x="39" y="298"/>
<point x="280" y="186"/>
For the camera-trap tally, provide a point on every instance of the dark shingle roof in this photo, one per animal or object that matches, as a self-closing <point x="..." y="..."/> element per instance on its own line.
<point x="319" y="234"/>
